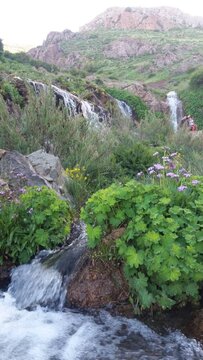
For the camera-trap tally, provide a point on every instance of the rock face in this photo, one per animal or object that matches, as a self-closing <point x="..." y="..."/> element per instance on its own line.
<point x="160" y="18"/>
<point x="128" y="47"/>
<point x="52" y="51"/>
<point x="143" y="92"/>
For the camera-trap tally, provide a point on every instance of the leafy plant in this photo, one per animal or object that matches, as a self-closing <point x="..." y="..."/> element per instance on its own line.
<point x="133" y="158"/>
<point x="162" y="245"/>
<point x="38" y="220"/>
<point x="9" y="91"/>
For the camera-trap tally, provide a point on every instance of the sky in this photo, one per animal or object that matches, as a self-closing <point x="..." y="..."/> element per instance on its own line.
<point x="27" y="22"/>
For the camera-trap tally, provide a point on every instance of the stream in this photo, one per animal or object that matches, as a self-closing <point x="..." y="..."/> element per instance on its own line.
<point x="34" y="325"/>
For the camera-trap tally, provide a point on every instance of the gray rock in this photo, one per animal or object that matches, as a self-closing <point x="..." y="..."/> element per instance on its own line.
<point x="49" y="167"/>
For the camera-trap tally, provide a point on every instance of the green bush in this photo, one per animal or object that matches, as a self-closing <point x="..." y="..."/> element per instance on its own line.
<point x="161" y="246"/>
<point x="193" y="104"/>
<point x="154" y="130"/>
<point x="196" y="81"/>
<point x="39" y="220"/>
<point x="9" y="91"/>
<point x="133" y="158"/>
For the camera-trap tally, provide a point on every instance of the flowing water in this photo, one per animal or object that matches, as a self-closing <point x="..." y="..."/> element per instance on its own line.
<point x="94" y="113"/>
<point x="176" y="109"/>
<point x="29" y="331"/>
<point x="125" y="109"/>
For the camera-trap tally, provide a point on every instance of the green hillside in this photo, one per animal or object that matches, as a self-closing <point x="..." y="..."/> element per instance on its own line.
<point x="181" y="49"/>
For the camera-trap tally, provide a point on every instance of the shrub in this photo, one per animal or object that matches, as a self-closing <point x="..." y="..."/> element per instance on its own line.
<point x="9" y="91"/>
<point x="154" y="130"/>
<point x="196" y="81"/>
<point x="192" y="102"/>
<point x="161" y="246"/>
<point x="10" y="137"/>
<point x="133" y="158"/>
<point x="39" y="220"/>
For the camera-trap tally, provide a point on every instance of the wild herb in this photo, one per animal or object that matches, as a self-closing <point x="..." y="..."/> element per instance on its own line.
<point x="38" y="220"/>
<point x="162" y="245"/>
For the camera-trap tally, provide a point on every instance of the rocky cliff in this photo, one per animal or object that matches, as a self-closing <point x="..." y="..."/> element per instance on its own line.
<point x="159" y="18"/>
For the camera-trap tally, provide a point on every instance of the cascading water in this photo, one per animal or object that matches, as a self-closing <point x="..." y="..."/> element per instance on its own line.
<point x="88" y="112"/>
<point x="94" y="113"/>
<point x="125" y="109"/>
<point x="176" y="109"/>
<point x="48" y="290"/>
<point x="45" y="334"/>
<point x="70" y="335"/>
<point x="71" y="102"/>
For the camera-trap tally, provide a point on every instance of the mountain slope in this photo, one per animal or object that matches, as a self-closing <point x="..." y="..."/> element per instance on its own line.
<point x="131" y="46"/>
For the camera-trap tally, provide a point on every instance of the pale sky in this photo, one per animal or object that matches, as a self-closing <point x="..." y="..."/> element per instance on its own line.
<point x="27" y="22"/>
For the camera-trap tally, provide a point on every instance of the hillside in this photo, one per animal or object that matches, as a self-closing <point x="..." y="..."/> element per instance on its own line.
<point x="121" y="53"/>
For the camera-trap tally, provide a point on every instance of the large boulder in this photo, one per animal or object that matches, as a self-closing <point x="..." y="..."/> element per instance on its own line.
<point x="48" y="167"/>
<point x="36" y="169"/>
<point x="16" y="169"/>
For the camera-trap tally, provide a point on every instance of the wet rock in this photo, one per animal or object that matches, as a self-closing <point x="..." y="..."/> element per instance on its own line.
<point x="145" y="94"/>
<point x="22" y="88"/>
<point x="195" y="326"/>
<point x="98" y="284"/>
<point x="5" y="271"/>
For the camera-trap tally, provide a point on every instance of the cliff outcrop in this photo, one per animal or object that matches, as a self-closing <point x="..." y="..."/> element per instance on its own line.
<point x="159" y="18"/>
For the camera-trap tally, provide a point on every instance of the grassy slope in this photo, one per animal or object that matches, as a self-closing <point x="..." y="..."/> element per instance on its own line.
<point x="188" y="43"/>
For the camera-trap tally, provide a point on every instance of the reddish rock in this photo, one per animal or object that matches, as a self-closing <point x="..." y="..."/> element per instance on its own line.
<point x="98" y="284"/>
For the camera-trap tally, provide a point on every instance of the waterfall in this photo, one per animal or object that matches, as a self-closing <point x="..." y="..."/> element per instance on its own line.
<point x="38" y="86"/>
<point x="72" y="102"/>
<point x="43" y="334"/>
<point x="88" y="112"/>
<point x="176" y="109"/>
<point x="34" y="284"/>
<point x="125" y="109"/>
<point x="44" y="281"/>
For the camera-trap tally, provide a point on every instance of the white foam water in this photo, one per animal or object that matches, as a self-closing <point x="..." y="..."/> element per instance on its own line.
<point x="176" y="109"/>
<point x="49" y="335"/>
